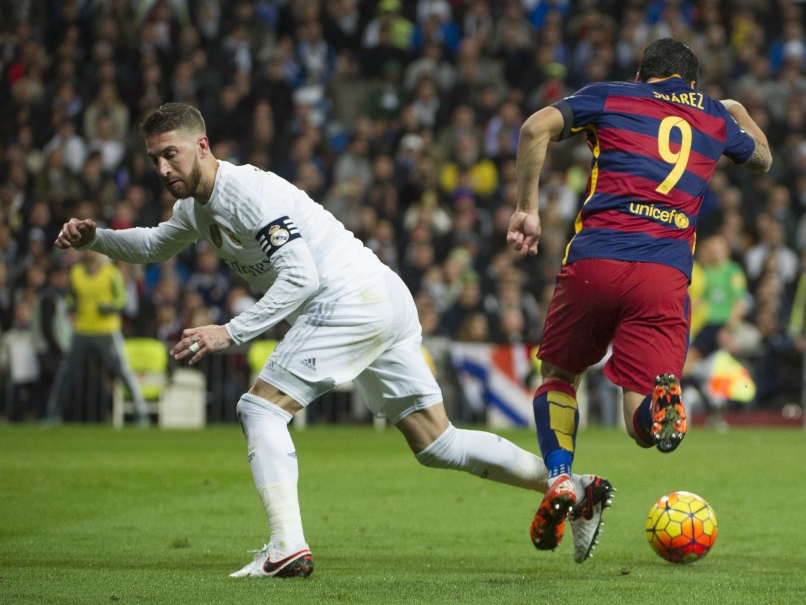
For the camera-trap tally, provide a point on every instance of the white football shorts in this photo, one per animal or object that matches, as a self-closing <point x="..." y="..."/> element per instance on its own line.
<point x="370" y="335"/>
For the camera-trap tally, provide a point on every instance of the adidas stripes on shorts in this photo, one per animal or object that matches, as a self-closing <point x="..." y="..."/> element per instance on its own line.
<point x="370" y="335"/>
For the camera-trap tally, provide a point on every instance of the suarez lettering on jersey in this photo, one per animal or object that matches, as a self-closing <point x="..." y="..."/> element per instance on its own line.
<point x="655" y="147"/>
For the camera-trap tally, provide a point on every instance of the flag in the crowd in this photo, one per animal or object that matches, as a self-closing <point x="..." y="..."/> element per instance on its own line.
<point x="494" y="378"/>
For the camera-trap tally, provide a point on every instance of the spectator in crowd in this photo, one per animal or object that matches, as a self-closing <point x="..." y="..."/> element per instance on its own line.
<point x="399" y="29"/>
<point x="344" y="203"/>
<point x="19" y="364"/>
<point x="433" y="64"/>
<point x="467" y="304"/>
<point x="475" y="328"/>
<point x="725" y="294"/>
<point x="56" y="183"/>
<point x="772" y="243"/>
<point x="98" y="297"/>
<point x="72" y="146"/>
<point x="97" y="186"/>
<point x="52" y="332"/>
<point x="386" y="97"/>
<point x="469" y="169"/>
<point x="348" y="92"/>
<point x="210" y="284"/>
<point x="315" y="56"/>
<point x="354" y="163"/>
<point x="167" y="326"/>
<point x="382" y="243"/>
<point x="343" y="23"/>
<point x="510" y="326"/>
<point x="108" y="104"/>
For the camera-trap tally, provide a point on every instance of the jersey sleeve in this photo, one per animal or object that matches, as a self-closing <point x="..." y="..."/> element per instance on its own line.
<point x="739" y="145"/>
<point x="582" y="108"/>
<point x="146" y="245"/>
<point x="266" y="216"/>
<point x="297" y="280"/>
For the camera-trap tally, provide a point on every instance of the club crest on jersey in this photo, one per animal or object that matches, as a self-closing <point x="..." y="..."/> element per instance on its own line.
<point x="279" y="237"/>
<point x="215" y="235"/>
<point x="276" y="234"/>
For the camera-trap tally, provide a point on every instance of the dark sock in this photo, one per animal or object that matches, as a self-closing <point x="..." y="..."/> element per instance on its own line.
<point x="642" y="420"/>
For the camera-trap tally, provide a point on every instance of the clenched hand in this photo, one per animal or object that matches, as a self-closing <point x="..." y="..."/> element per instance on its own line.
<point x="76" y="234"/>
<point x="524" y="232"/>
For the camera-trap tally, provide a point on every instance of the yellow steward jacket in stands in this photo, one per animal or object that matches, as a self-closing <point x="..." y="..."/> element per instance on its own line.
<point x="699" y="304"/>
<point x="98" y="299"/>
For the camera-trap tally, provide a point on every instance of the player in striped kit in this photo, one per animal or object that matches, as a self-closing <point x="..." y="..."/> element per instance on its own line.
<point x="352" y="319"/>
<point x="655" y="144"/>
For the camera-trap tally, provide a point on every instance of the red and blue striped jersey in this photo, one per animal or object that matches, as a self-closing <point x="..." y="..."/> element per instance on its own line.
<point x="655" y="147"/>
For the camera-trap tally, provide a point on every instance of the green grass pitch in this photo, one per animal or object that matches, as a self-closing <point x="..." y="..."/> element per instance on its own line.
<point x="89" y="515"/>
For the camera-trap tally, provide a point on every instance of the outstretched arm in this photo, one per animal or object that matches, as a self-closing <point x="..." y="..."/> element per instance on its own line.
<point x="138" y="245"/>
<point x="524" y="226"/>
<point x="761" y="159"/>
<point x="297" y="280"/>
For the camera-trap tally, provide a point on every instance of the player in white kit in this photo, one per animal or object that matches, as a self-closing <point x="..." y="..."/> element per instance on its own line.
<point x="352" y="319"/>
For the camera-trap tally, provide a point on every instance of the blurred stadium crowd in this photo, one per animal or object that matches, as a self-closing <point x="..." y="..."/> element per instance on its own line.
<point x="401" y="118"/>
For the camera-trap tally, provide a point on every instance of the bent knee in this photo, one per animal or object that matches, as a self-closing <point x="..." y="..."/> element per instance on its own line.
<point x="441" y="453"/>
<point x="552" y="372"/>
<point x="429" y="460"/>
<point x="423" y="427"/>
<point x="437" y="460"/>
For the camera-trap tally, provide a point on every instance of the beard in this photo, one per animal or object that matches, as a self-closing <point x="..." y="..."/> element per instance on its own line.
<point x="186" y="187"/>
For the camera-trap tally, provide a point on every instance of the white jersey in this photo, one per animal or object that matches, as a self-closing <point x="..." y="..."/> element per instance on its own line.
<point x="267" y="231"/>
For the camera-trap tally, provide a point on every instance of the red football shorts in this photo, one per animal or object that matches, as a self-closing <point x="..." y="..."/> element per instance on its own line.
<point x="642" y="308"/>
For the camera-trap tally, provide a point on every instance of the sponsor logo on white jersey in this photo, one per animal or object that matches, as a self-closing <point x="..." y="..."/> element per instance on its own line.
<point x="244" y="269"/>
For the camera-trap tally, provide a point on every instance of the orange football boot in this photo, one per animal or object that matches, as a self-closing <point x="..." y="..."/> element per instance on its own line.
<point x="668" y="414"/>
<point x="548" y="526"/>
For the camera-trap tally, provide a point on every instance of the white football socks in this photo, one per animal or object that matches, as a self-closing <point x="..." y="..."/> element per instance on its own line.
<point x="273" y="460"/>
<point x="490" y="456"/>
<point x="487" y="456"/>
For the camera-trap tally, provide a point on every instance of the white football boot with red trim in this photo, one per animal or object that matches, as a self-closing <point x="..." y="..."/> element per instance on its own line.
<point x="270" y="562"/>
<point x="586" y="518"/>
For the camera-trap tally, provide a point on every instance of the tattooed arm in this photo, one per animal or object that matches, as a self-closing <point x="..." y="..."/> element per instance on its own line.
<point x="761" y="159"/>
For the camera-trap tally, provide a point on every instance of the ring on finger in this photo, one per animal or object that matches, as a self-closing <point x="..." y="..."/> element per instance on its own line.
<point x="194" y="348"/>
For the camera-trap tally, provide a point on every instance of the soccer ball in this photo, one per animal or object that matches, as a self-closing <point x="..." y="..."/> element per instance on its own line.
<point x="681" y="527"/>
